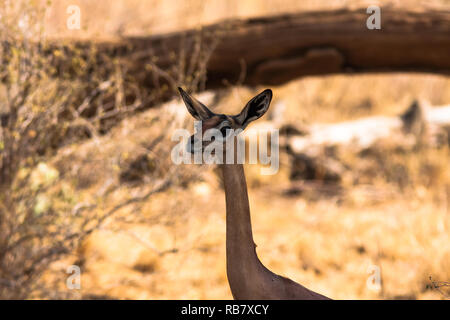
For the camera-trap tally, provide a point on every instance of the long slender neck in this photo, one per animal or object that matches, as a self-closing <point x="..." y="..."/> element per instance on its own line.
<point x="242" y="261"/>
<point x="247" y="276"/>
<point x="239" y="228"/>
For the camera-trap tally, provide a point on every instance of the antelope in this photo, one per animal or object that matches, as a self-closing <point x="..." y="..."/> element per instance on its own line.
<point x="248" y="278"/>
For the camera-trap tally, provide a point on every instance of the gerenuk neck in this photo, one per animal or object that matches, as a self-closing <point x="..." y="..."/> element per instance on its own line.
<point x="242" y="261"/>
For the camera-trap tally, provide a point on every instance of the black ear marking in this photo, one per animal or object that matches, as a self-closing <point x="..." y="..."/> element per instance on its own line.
<point x="197" y="109"/>
<point x="255" y="108"/>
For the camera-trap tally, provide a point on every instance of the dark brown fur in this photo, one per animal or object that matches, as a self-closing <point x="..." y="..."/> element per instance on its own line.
<point x="247" y="276"/>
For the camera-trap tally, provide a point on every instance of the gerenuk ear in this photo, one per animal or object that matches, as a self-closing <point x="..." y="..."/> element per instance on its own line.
<point x="197" y="109"/>
<point x="255" y="108"/>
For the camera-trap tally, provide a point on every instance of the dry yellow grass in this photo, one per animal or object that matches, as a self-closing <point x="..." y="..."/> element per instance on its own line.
<point x="325" y="243"/>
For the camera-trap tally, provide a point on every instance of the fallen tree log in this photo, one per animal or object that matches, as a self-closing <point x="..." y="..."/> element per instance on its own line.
<point x="315" y="151"/>
<point x="276" y="49"/>
<point x="418" y="124"/>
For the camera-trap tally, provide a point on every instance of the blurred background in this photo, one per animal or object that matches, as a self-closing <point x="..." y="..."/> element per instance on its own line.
<point x="86" y="177"/>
